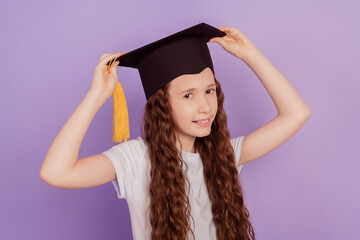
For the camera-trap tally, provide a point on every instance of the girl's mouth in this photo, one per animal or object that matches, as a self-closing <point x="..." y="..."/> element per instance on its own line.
<point x="202" y="123"/>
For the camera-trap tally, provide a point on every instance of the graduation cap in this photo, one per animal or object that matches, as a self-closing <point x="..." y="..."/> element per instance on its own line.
<point x="184" y="52"/>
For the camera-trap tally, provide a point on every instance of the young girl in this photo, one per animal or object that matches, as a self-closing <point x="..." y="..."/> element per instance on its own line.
<point x="180" y="178"/>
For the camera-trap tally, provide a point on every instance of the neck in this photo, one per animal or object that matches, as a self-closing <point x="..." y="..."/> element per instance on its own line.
<point x="187" y="144"/>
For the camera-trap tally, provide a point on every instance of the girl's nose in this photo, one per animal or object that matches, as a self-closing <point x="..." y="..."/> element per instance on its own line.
<point x="204" y="105"/>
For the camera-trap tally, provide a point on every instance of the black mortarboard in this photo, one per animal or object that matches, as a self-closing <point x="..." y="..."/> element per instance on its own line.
<point x="184" y="52"/>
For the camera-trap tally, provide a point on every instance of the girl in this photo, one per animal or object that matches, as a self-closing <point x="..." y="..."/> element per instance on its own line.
<point x="185" y="165"/>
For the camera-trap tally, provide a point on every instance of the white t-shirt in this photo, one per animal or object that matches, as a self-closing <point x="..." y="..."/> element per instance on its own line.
<point x="132" y="167"/>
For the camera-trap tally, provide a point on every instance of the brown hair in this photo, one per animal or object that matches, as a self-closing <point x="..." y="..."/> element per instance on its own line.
<point x="169" y="204"/>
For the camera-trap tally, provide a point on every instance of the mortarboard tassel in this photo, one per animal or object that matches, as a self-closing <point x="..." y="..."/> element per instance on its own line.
<point x="121" y="119"/>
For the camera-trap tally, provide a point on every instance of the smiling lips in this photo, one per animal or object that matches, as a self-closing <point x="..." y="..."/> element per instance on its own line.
<point x="203" y="123"/>
<point x="203" y="120"/>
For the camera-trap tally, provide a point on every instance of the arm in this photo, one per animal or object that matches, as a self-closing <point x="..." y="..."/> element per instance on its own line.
<point x="63" y="152"/>
<point x="61" y="167"/>
<point x="286" y="99"/>
<point x="293" y="112"/>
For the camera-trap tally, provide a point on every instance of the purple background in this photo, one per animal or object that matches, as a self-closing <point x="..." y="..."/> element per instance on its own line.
<point x="308" y="188"/>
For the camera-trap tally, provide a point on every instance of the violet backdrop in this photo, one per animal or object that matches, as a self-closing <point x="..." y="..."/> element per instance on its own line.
<point x="308" y="188"/>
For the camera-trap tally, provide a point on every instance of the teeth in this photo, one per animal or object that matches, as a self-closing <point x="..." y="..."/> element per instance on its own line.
<point x="202" y="121"/>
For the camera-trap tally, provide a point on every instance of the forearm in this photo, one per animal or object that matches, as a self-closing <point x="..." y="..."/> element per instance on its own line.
<point x="63" y="152"/>
<point x="286" y="99"/>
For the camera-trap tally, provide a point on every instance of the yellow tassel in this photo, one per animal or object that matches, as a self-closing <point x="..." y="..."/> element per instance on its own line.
<point x="121" y="119"/>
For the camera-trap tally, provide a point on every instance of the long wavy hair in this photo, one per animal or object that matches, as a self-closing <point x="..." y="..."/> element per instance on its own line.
<point x="169" y="204"/>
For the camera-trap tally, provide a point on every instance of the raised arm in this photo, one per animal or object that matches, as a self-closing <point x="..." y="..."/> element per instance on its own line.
<point x="293" y="112"/>
<point x="61" y="167"/>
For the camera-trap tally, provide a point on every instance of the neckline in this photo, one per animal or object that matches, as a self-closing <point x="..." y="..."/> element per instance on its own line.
<point x="196" y="154"/>
<point x="190" y="153"/>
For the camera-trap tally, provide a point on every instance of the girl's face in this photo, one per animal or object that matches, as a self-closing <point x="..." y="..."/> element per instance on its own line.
<point x="193" y="98"/>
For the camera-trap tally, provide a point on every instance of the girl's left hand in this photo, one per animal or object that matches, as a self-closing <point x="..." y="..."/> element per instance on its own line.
<point x="235" y="42"/>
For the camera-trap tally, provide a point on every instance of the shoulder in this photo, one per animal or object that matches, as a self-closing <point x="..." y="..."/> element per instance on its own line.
<point x="136" y="142"/>
<point x="130" y="147"/>
<point x="237" y="142"/>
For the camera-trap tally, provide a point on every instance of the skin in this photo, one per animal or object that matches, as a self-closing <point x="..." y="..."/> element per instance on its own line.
<point x="199" y="103"/>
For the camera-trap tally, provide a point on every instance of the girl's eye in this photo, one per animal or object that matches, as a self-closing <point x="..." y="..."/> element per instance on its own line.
<point x="206" y="91"/>
<point x="187" y="95"/>
<point x="211" y="89"/>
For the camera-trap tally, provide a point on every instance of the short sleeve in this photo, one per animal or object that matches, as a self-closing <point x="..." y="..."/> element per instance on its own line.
<point x="236" y="143"/>
<point x="125" y="158"/>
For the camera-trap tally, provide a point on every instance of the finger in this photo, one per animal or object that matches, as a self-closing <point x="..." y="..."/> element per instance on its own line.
<point x="106" y="55"/>
<point x="219" y="40"/>
<point x="215" y="39"/>
<point x="106" y="60"/>
<point x="112" y="61"/>
<point x="225" y="28"/>
<point x="229" y="29"/>
<point x="110" y="64"/>
<point x="113" y="67"/>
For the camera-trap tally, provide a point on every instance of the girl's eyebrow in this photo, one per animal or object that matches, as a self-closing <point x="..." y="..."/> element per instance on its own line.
<point x="191" y="89"/>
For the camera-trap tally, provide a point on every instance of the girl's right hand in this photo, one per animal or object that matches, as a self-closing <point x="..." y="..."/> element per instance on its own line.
<point x="104" y="81"/>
